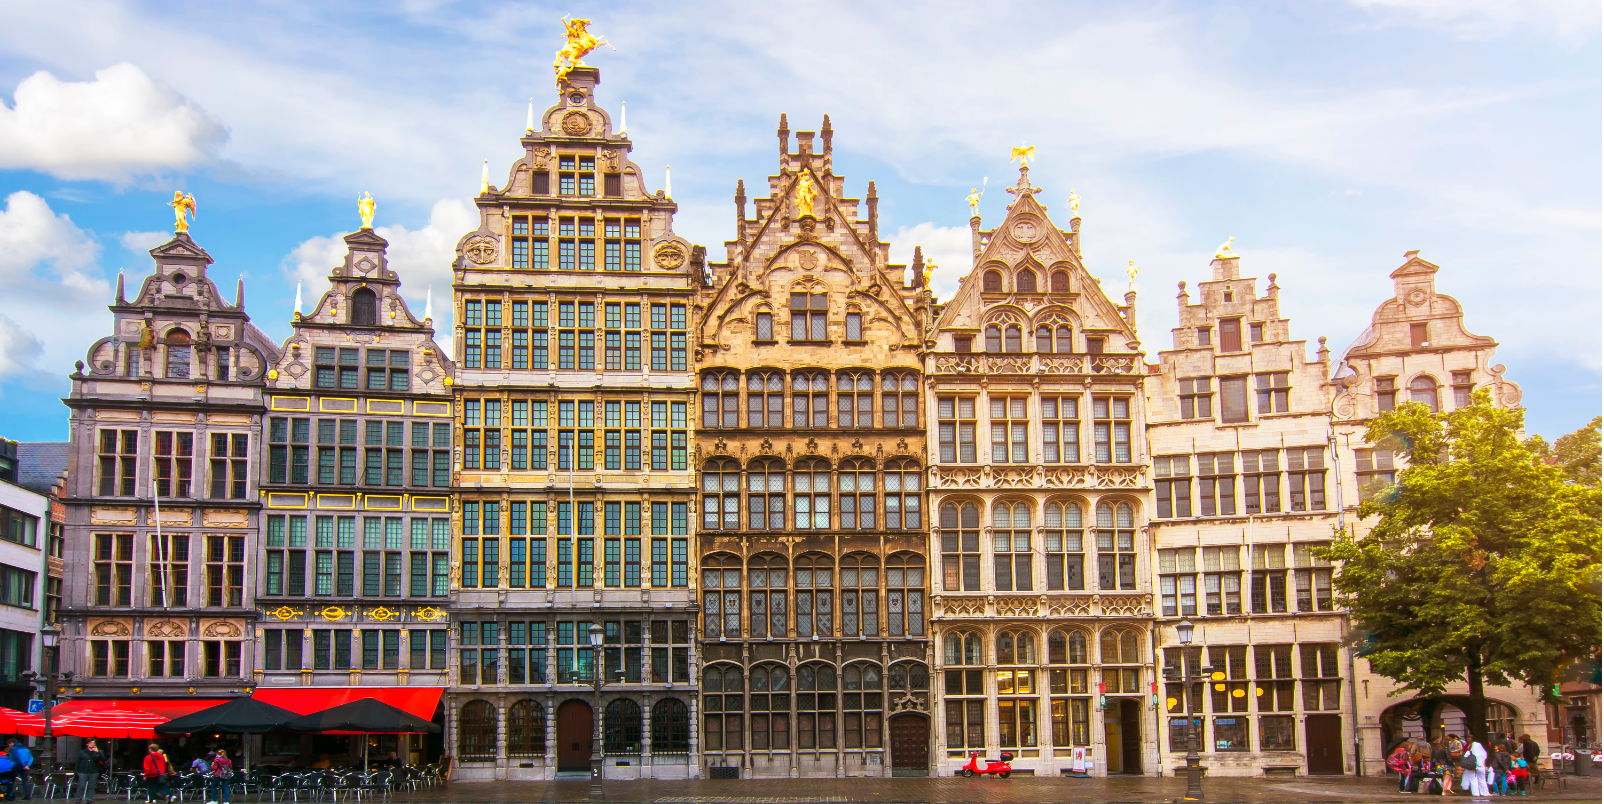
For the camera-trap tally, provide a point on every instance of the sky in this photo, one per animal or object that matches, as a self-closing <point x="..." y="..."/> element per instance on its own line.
<point x="1328" y="137"/>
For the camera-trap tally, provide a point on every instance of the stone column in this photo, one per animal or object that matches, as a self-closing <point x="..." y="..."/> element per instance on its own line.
<point x="500" y="703"/>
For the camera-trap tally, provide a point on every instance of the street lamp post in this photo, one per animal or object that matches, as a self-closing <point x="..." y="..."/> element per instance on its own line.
<point x="1194" y="772"/>
<point x="50" y="637"/>
<point x="596" y="682"/>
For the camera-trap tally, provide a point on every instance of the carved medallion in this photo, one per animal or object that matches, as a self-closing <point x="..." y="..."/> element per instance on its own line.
<point x="576" y="124"/>
<point x="165" y="629"/>
<point x="1025" y="231"/>
<point x="365" y="266"/>
<point x="1417" y="297"/>
<point x="110" y="628"/>
<point x="221" y="629"/>
<point x="807" y="259"/>
<point x="669" y="256"/>
<point x="481" y="249"/>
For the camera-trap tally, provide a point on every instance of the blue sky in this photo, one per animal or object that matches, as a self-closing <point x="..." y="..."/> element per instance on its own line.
<point x="1327" y="137"/>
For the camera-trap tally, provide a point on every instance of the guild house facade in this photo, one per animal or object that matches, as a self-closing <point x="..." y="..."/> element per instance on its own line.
<point x="575" y="486"/>
<point x="810" y="445"/>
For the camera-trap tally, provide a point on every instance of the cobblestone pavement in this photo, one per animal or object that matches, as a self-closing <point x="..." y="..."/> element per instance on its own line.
<point x="953" y="790"/>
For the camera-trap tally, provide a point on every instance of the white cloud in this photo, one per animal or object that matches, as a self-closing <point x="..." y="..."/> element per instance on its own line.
<point x="950" y="247"/>
<point x="421" y="257"/>
<point x="1564" y="20"/>
<point x="19" y="349"/>
<point x="116" y="127"/>
<point x="141" y="242"/>
<point x="53" y="285"/>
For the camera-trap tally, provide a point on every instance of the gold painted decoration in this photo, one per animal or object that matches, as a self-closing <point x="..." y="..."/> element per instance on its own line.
<point x="806" y="192"/>
<point x="1130" y="271"/>
<point x="1074" y="203"/>
<point x="579" y="42"/>
<point x="183" y="210"/>
<point x="364" y="207"/>
<point x="1023" y="154"/>
<point x="284" y="613"/>
<point x="1224" y="252"/>
<point x="383" y="615"/>
<point x="332" y="613"/>
<point x="429" y="614"/>
<point x="975" y="195"/>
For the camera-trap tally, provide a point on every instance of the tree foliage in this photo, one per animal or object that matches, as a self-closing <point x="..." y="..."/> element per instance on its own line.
<point x="1482" y="563"/>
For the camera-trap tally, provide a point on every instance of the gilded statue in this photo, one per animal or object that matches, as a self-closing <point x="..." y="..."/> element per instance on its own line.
<point x="974" y="197"/>
<point x="580" y="42"/>
<point x="930" y="267"/>
<point x="1130" y="271"/>
<point x="364" y="207"/>
<point x="1224" y="252"/>
<point x="183" y="210"/>
<point x="1023" y="154"/>
<point x="1074" y="203"/>
<point x="806" y="191"/>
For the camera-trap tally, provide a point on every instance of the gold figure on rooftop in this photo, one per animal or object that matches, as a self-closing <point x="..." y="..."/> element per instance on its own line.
<point x="364" y="207"/>
<point x="1024" y="154"/>
<point x="974" y="196"/>
<point x="580" y="42"/>
<point x="183" y="210"/>
<point x="1224" y="251"/>
<point x="806" y="191"/>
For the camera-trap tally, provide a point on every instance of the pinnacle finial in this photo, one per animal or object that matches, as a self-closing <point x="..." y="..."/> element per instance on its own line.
<point x="239" y="293"/>
<point x="529" y="122"/>
<point x="297" y="301"/>
<point x="484" y="177"/>
<point x="668" y="182"/>
<point x="623" y="120"/>
<point x="120" y="298"/>
<point x="428" y="305"/>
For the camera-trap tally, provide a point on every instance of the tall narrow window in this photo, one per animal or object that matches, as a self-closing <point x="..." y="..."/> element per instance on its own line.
<point x="1060" y="429"/>
<point x="956" y="428"/>
<point x="857" y="481"/>
<point x="721" y="500"/>
<point x="810" y="486"/>
<point x="809" y="316"/>
<point x="720" y="399"/>
<point x="766" y="575"/>
<point x="815" y="597"/>
<point x="960" y="548"/>
<point x="364" y="308"/>
<point x="721" y="597"/>
<point x="1010" y="547"/>
<point x="1009" y="425"/>
<point x="1233" y="399"/>
<point x="1111" y="428"/>
<point x="1230" y="334"/>
<point x="899" y="399"/>
<point x="178" y="354"/>
<point x="810" y="399"/>
<point x="1423" y="389"/>
<point x="854" y="399"/>
<point x="1064" y="547"/>
<point x="1116" y="547"/>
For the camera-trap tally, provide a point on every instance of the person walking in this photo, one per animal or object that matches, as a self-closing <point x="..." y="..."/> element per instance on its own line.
<point x="222" y="779"/>
<point x="155" y="771"/>
<point x="8" y="775"/>
<point x="1502" y="767"/>
<point x="24" y="759"/>
<point x="1476" y="774"/>
<point x="1399" y="761"/>
<point x="87" y="769"/>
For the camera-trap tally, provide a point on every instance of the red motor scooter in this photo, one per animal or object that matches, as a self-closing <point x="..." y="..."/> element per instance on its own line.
<point x="1001" y="768"/>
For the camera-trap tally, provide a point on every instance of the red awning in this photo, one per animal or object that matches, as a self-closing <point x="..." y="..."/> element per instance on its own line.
<point x="419" y="701"/>
<point x="166" y="707"/>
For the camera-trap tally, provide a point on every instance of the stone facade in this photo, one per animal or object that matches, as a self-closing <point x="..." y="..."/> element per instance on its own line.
<point x="810" y="444"/>
<point x="1039" y="486"/>
<point x="1416" y="349"/>
<point x="1244" y="488"/>
<point x="573" y="308"/>
<point x="356" y="479"/>
<point x="161" y="494"/>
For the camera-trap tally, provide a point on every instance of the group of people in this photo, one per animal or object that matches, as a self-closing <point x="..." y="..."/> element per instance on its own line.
<point x="155" y="772"/>
<point x="1501" y="764"/>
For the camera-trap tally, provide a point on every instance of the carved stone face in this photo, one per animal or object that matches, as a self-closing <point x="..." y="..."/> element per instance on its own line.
<point x="481" y="249"/>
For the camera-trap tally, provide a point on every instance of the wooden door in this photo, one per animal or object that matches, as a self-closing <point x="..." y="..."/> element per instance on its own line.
<point x="1322" y="742"/>
<point x="910" y="745"/>
<point x="1130" y="718"/>
<point x="575" y="725"/>
<point x="1113" y="740"/>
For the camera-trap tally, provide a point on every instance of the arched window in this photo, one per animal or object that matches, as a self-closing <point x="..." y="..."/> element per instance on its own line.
<point x="671" y="727"/>
<point x="815" y="596"/>
<point x="1071" y="715"/>
<point x="771" y="707"/>
<point x="854" y="399"/>
<point x="1011" y="339"/>
<point x="856" y="479"/>
<point x="1016" y="717"/>
<point x="720" y="399"/>
<point x="1116" y="547"/>
<point x="1016" y="647"/>
<point x="1025" y="281"/>
<point x="909" y="677"/>
<point x="810" y="484"/>
<point x="1060" y="281"/>
<point x="992" y="282"/>
<point x="526" y="729"/>
<point x="810" y="399"/>
<point x="815" y="705"/>
<point x="476" y="732"/>
<point x="721" y="596"/>
<point x="899" y="392"/>
<point x="364" y="308"/>
<point x="960" y="548"/>
<point x="1010" y="547"/>
<point x="1065" y="342"/>
<point x="766" y="576"/>
<point x="993" y="339"/>
<point x="1064" y="547"/>
<point x="1423" y="389"/>
<point x="862" y="711"/>
<point x="905" y="595"/>
<point x="765" y="399"/>
<point x="178" y="354"/>
<point x="860" y="595"/>
<point x="721" y="494"/>
<point x="903" y="509"/>
<point x="962" y="649"/>
<point x="765" y="494"/>
<point x="1119" y="646"/>
<point x="722" y="707"/>
<point x="1044" y="339"/>
<point x="621" y="726"/>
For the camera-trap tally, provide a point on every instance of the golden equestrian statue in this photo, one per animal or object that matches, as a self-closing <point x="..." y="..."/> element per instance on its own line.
<point x="364" y="207"/>
<point x="580" y="42"/>
<point x="806" y="191"/>
<point x="974" y="197"/>
<point x="183" y="209"/>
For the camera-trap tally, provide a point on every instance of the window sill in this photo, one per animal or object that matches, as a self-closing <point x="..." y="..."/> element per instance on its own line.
<point x="769" y="342"/>
<point x="855" y="343"/>
<point x="810" y="343"/>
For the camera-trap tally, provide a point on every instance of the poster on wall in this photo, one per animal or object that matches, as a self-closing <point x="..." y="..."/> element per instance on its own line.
<point x="1078" y="761"/>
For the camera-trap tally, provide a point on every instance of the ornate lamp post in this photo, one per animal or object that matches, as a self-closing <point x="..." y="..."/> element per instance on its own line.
<point x="596" y="682"/>
<point x="1194" y="772"/>
<point x="50" y="637"/>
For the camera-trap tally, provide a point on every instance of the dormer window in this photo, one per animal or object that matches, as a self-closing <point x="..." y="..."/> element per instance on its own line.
<point x="1419" y="337"/>
<point x="1205" y="336"/>
<point x="1025" y="281"/>
<point x="1094" y="346"/>
<point x="178" y="354"/>
<point x="1229" y="296"/>
<point x="364" y="308"/>
<point x="1060" y="282"/>
<point x="992" y="282"/>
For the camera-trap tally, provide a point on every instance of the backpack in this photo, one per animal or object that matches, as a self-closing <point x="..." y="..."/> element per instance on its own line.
<point x="1468" y="761"/>
<point x="225" y="772"/>
<point x="1399" y="761"/>
<point x="1436" y="787"/>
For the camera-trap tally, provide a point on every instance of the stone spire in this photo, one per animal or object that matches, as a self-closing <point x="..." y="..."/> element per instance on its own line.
<point x="668" y="182"/>
<point x="826" y="133"/>
<point x="484" y="177"/>
<point x="297" y="301"/>
<point x="623" y="121"/>
<point x="120" y="298"/>
<point x="428" y="305"/>
<point x="529" y="122"/>
<point x="785" y="137"/>
<point x="239" y="294"/>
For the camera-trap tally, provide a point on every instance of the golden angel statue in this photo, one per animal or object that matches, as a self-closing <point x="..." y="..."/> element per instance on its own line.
<point x="1130" y="271"/>
<point x="183" y="210"/>
<point x="806" y="192"/>
<point x="580" y="42"/>
<point x="930" y="267"/>
<point x="1224" y="251"/>
<point x="1074" y="203"/>
<point x="974" y="197"/>
<point x="364" y="207"/>
<point x="1023" y="154"/>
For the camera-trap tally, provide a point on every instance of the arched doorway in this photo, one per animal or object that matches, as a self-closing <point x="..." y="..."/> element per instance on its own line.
<point x="910" y="745"/>
<point x="1431" y="718"/>
<point x="576" y="723"/>
<point x="1122" y="736"/>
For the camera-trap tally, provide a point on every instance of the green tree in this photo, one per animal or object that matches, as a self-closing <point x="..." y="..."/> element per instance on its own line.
<point x="1576" y="455"/>
<point x="1482" y="563"/>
